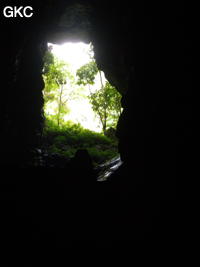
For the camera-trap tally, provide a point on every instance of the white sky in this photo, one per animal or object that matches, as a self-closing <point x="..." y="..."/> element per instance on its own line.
<point x="76" y="55"/>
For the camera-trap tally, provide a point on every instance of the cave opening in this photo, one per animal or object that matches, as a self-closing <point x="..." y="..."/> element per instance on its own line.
<point x="81" y="108"/>
<point x="144" y="50"/>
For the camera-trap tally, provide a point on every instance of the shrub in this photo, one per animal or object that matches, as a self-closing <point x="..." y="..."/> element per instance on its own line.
<point x="69" y="137"/>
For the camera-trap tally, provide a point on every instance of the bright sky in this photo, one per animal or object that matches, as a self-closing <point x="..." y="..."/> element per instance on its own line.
<point x="77" y="55"/>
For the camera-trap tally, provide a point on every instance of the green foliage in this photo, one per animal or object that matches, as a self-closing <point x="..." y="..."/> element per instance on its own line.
<point x="48" y="60"/>
<point x="66" y="139"/>
<point x="100" y="156"/>
<point x="55" y="73"/>
<point x="106" y="101"/>
<point x="86" y="74"/>
<point x="58" y="85"/>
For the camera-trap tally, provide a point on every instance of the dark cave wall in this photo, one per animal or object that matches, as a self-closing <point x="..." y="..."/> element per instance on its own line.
<point x="141" y="49"/>
<point x="145" y="50"/>
<point x="23" y="47"/>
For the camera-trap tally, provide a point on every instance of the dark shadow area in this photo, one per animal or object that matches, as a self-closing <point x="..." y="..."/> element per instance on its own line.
<point x="144" y="49"/>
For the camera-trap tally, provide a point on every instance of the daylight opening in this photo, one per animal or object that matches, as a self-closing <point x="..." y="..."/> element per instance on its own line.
<point x="81" y="107"/>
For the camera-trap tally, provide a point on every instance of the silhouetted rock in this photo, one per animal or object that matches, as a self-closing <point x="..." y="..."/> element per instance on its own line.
<point x="144" y="48"/>
<point x="82" y="167"/>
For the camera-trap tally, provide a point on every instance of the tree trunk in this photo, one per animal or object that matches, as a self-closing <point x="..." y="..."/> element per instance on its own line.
<point x="104" y="121"/>
<point x="104" y="128"/>
<point x="59" y="105"/>
<point x="101" y="79"/>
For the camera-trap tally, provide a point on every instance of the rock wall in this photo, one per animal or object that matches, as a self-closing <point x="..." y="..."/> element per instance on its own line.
<point x="144" y="48"/>
<point x="141" y="48"/>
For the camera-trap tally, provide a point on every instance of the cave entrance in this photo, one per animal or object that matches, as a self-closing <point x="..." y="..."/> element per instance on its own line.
<point x="81" y="107"/>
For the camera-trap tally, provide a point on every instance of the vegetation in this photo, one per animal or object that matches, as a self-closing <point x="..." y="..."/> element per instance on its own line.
<point x="65" y="138"/>
<point x="106" y="101"/>
<point x="59" y="85"/>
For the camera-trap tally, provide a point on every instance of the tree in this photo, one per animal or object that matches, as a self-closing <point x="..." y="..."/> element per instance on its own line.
<point x="106" y="104"/>
<point x="86" y="74"/>
<point x="106" y="101"/>
<point x="58" y="84"/>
